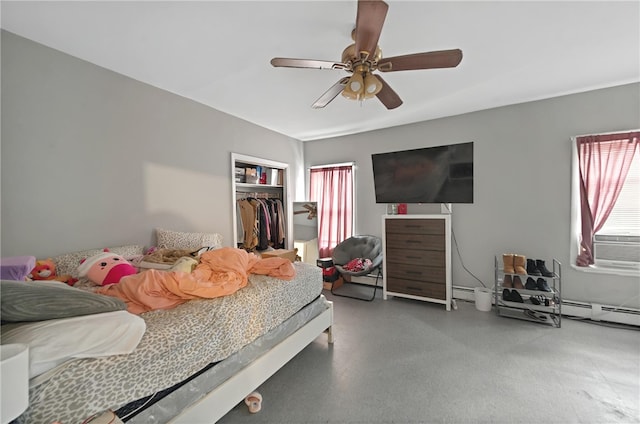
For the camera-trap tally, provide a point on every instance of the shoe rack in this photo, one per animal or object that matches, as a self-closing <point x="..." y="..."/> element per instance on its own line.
<point x="530" y="303"/>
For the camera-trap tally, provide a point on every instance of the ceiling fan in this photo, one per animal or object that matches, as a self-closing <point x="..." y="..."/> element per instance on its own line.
<point x="364" y="57"/>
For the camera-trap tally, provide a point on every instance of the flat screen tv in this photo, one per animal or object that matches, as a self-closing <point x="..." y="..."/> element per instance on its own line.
<point x="442" y="174"/>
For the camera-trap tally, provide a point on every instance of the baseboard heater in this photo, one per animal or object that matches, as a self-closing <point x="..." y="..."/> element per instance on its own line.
<point x="572" y="308"/>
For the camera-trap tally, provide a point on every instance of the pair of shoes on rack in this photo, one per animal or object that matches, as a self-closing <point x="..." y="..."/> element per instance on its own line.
<point x="512" y="296"/>
<point x="537" y="268"/>
<point x="519" y="264"/>
<point x="514" y="263"/>
<point x="512" y="283"/>
<point x="539" y="284"/>
<point x="539" y="299"/>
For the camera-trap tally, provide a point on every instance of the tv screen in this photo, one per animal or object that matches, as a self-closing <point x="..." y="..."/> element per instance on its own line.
<point x="442" y="174"/>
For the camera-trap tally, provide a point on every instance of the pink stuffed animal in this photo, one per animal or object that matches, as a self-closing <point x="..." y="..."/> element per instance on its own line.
<point x="105" y="268"/>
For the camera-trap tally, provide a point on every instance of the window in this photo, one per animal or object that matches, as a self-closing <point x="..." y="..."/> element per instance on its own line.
<point x="607" y="198"/>
<point x="624" y="218"/>
<point x="332" y="187"/>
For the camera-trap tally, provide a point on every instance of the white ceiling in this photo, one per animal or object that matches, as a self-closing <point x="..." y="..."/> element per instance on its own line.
<point x="218" y="53"/>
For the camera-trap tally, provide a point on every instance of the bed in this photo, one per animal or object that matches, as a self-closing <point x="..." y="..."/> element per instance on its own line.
<point x="203" y="356"/>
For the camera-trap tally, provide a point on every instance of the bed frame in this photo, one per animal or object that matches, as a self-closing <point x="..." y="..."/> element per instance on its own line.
<point x="226" y="396"/>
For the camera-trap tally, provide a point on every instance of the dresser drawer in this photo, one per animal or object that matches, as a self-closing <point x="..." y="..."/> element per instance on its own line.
<point x="415" y="226"/>
<point x="415" y="241"/>
<point x="416" y="272"/>
<point x="434" y="258"/>
<point x="417" y="261"/>
<point x="417" y="288"/>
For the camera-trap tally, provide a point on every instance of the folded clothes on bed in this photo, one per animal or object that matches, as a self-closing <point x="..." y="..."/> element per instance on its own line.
<point x="221" y="272"/>
<point x="167" y="256"/>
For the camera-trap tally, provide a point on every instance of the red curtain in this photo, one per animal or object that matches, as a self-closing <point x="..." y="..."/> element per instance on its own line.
<point x="604" y="162"/>
<point x="332" y="188"/>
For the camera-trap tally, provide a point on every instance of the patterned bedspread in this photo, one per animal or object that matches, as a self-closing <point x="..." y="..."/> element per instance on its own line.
<point x="178" y="343"/>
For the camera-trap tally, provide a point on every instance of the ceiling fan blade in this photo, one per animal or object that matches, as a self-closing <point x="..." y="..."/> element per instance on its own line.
<point x="387" y="96"/>
<point x="369" y="22"/>
<point x="306" y="63"/>
<point x="330" y="94"/>
<point x="429" y="60"/>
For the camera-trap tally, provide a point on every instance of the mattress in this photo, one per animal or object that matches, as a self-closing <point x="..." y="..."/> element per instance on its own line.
<point x="177" y="344"/>
<point x="162" y="407"/>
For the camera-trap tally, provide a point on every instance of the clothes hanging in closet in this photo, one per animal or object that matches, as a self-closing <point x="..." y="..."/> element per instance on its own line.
<point x="248" y="217"/>
<point x="263" y="223"/>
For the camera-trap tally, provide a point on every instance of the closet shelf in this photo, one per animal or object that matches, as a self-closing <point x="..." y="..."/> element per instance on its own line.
<point x="252" y="186"/>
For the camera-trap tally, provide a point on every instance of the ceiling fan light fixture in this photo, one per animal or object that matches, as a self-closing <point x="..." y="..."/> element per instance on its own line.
<point x="356" y="82"/>
<point x="355" y="87"/>
<point x="348" y="94"/>
<point x="372" y="85"/>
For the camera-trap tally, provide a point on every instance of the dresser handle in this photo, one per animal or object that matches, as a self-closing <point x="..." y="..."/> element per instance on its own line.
<point x="415" y="288"/>
<point x="414" y="272"/>
<point x="413" y="257"/>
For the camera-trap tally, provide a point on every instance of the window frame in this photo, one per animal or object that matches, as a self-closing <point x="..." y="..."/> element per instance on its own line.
<point x="353" y="190"/>
<point x="575" y="223"/>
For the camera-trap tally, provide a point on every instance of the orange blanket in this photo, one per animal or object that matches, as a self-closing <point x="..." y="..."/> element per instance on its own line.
<point x="219" y="273"/>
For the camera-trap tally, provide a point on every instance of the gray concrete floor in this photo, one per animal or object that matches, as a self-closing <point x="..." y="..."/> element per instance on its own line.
<point x="405" y="361"/>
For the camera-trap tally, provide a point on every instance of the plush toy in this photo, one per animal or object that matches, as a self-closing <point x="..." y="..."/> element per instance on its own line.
<point x="105" y="268"/>
<point x="45" y="269"/>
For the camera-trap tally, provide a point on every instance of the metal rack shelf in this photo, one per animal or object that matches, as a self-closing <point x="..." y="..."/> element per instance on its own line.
<point x="551" y="315"/>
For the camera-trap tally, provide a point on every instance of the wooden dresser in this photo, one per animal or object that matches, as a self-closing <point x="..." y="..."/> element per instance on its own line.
<point x="417" y="257"/>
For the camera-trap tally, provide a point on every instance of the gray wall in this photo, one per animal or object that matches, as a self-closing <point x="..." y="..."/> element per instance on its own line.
<point x="522" y="182"/>
<point x="91" y="158"/>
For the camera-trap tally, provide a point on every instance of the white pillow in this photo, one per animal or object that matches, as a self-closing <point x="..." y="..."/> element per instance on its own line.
<point x="167" y="239"/>
<point x="54" y="342"/>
